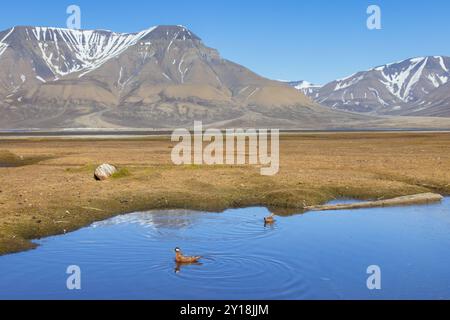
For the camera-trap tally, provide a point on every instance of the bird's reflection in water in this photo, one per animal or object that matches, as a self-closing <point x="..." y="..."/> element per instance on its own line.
<point x="270" y="225"/>
<point x="180" y="266"/>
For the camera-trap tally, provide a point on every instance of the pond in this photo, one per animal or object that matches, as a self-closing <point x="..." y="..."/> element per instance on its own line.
<point x="317" y="255"/>
<point x="7" y="165"/>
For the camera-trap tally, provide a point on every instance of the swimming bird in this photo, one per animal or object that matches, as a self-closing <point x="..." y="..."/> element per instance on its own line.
<point x="180" y="258"/>
<point x="270" y="219"/>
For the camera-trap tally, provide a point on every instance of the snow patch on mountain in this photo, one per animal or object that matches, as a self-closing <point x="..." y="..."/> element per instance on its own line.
<point x="90" y="49"/>
<point x="4" y="45"/>
<point x="400" y="82"/>
<point x="441" y="61"/>
<point x="305" y="87"/>
<point x="346" y="83"/>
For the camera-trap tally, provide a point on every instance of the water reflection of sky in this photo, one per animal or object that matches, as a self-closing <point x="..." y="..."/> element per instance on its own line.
<point x="155" y="219"/>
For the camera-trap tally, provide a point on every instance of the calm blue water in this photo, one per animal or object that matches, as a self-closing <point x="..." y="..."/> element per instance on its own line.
<point x="318" y="255"/>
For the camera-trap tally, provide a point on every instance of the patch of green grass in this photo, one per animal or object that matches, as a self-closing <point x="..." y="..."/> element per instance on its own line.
<point x="9" y="159"/>
<point x="121" y="173"/>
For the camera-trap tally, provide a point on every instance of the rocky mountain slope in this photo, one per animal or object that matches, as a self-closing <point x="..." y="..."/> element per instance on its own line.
<point x="163" y="77"/>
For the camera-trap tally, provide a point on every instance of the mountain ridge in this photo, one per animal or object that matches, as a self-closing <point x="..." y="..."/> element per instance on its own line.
<point x="160" y="77"/>
<point x="399" y="88"/>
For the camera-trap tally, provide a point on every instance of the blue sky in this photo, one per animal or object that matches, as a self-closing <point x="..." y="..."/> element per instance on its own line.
<point x="315" y="40"/>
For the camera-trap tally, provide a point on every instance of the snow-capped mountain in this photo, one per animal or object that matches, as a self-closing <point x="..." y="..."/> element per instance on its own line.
<point x="404" y="87"/>
<point x="307" y="88"/>
<point x="58" y="52"/>
<point x="162" y="77"/>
